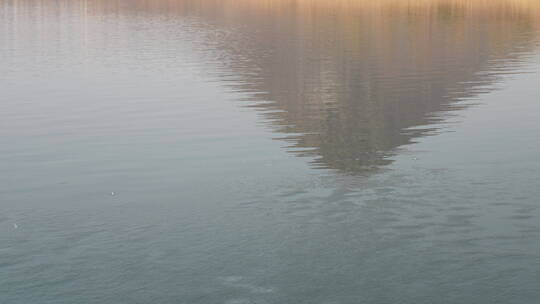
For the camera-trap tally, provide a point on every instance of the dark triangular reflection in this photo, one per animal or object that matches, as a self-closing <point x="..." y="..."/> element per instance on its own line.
<point x="349" y="81"/>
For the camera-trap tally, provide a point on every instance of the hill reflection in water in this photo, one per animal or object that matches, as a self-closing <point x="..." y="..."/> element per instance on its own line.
<point x="345" y="83"/>
<point x="348" y="82"/>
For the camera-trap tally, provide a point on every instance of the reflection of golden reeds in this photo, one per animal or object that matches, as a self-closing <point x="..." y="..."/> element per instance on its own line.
<point x="469" y="6"/>
<point x="501" y="6"/>
<point x="315" y="10"/>
<point x="472" y="6"/>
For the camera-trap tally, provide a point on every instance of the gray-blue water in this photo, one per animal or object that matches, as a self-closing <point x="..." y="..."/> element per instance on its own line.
<point x="269" y="151"/>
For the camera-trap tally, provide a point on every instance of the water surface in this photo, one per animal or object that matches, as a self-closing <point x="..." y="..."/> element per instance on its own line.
<point x="269" y="151"/>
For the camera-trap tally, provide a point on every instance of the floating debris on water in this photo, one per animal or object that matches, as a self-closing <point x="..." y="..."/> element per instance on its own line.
<point x="15" y="226"/>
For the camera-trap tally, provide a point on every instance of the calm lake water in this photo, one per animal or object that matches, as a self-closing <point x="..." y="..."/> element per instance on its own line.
<point x="269" y="151"/>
